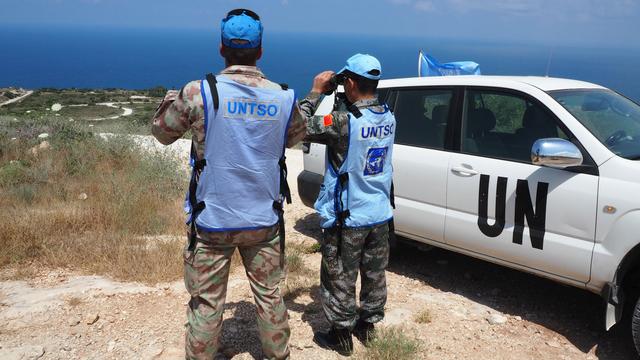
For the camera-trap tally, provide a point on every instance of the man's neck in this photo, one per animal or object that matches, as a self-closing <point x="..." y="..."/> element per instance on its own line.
<point x="364" y="98"/>
<point x="226" y="64"/>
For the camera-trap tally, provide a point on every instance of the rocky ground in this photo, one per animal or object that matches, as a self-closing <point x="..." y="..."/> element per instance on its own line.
<point x="456" y="306"/>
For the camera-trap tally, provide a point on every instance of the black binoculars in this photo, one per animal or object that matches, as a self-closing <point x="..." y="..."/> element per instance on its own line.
<point x="334" y="82"/>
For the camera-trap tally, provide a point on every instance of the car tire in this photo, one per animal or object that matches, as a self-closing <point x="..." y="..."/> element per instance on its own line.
<point x="635" y="325"/>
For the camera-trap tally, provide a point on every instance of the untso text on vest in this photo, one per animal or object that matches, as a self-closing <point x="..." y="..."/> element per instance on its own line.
<point x="244" y="141"/>
<point x="360" y="188"/>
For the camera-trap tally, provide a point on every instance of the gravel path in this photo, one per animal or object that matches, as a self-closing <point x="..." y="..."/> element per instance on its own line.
<point x="20" y="98"/>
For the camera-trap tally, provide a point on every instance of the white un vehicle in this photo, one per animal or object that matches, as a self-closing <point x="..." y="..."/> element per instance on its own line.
<point x="537" y="174"/>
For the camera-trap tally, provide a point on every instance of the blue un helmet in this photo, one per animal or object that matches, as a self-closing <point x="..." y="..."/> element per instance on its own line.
<point x="241" y="29"/>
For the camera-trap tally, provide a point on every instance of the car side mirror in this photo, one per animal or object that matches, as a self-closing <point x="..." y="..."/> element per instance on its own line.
<point x="555" y="153"/>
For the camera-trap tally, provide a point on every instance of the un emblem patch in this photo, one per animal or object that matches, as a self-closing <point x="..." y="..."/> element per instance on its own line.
<point x="375" y="161"/>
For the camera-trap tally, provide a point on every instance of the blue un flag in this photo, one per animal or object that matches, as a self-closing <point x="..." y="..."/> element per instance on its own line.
<point x="428" y="66"/>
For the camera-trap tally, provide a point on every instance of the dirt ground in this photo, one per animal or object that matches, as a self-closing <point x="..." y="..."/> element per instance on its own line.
<point x="475" y="310"/>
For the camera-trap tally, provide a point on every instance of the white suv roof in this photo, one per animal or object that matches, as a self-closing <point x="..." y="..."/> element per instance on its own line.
<point x="542" y="83"/>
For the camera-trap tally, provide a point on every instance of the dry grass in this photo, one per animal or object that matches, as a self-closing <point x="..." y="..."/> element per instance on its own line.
<point x="390" y="344"/>
<point x="299" y="278"/>
<point x="423" y="317"/>
<point x="74" y="301"/>
<point x="131" y="196"/>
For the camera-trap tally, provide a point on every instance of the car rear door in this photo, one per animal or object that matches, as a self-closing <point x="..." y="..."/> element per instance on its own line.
<point x="420" y="161"/>
<point x="500" y="205"/>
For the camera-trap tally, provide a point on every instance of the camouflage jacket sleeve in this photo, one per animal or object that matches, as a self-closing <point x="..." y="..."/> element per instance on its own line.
<point x="177" y="113"/>
<point x="331" y="130"/>
<point x="297" y="128"/>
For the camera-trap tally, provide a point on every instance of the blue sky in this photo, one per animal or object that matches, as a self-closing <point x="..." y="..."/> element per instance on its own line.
<point x="597" y="23"/>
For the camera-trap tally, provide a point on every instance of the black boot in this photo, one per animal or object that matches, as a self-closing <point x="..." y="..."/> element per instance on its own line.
<point x="364" y="331"/>
<point x="338" y="340"/>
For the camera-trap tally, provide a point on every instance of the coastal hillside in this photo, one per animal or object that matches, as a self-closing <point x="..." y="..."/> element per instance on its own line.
<point x="105" y="110"/>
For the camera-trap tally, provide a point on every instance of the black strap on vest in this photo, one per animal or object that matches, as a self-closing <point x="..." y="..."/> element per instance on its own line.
<point x="392" y="196"/>
<point x="196" y="207"/>
<point x="342" y="215"/>
<point x="354" y="111"/>
<point x="285" y="195"/>
<point x="211" y="79"/>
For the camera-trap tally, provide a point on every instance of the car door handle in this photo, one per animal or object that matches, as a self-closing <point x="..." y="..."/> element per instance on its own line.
<point x="463" y="171"/>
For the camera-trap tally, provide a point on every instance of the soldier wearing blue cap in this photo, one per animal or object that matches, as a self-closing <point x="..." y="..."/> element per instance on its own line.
<point x="354" y="203"/>
<point x="241" y="123"/>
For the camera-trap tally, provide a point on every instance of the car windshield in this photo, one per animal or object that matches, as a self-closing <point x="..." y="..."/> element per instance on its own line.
<point x="612" y="118"/>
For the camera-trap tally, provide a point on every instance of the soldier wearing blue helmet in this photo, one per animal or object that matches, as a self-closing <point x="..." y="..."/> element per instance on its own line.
<point x="355" y="199"/>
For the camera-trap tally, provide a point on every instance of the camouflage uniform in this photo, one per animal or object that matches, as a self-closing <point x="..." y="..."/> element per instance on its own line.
<point x="207" y="267"/>
<point x="364" y="249"/>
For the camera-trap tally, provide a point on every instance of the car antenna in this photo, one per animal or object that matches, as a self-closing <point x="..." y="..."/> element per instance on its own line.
<point x="549" y="63"/>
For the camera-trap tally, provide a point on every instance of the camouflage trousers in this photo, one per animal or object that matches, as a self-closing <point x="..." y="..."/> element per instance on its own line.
<point x="206" y="276"/>
<point x="366" y="250"/>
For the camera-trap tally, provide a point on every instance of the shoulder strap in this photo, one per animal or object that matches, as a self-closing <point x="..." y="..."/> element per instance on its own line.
<point x="354" y="111"/>
<point x="392" y="196"/>
<point x="211" y="79"/>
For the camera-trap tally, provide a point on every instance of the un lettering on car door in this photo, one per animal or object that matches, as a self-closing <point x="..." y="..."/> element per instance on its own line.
<point x="530" y="216"/>
<point x="524" y="209"/>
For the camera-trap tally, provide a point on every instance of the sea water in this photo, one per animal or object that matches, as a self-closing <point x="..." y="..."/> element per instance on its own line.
<point x="37" y="57"/>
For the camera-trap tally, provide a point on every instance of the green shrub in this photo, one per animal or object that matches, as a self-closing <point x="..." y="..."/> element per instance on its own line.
<point x="391" y="344"/>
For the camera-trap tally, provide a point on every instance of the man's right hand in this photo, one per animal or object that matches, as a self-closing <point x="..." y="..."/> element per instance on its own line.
<point x="171" y="95"/>
<point x="321" y="82"/>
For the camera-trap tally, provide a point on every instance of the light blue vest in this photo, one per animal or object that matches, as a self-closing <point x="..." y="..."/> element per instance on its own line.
<point x="368" y="163"/>
<point x="245" y="140"/>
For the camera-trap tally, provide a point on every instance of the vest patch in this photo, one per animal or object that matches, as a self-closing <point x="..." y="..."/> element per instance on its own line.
<point x="375" y="161"/>
<point x="251" y="109"/>
<point x="378" y="132"/>
<point x="328" y="120"/>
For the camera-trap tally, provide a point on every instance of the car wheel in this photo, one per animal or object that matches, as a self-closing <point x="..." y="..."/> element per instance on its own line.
<point x="635" y="325"/>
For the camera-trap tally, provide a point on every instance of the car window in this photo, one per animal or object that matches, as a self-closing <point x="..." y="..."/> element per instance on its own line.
<point x="505" y="125"/>
<point x="422" y="117"/>
<point x="612" y="118"/>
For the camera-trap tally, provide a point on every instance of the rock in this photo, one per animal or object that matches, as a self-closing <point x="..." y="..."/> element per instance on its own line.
<point x="73" y="321"/>
<point x="397" y="316"/>
<point x="25" y="352"/>
<point x="518" y="318"/>
<point x="153" y="351"/>
<point x="83" y="196"/>
<point x="56" y="107"/>
<point x="91" y="125"/>
<point x="43" y="136"/>
<point x="44" y="146"/>
<point x="496" y="319"/>
<point x="111" y="346"/>
<point x="14" y="139"/>
<point x="91" y="318"/>
<point x="552" y="344"/>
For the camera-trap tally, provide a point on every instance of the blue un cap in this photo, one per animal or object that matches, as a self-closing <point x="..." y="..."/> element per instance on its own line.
<point x="241" y="29"/>
<point x="364" y="65"/>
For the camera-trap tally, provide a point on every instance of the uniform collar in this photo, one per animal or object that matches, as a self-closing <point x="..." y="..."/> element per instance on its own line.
<point x="365" y="103"/>
<point x="243" y="70"/>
